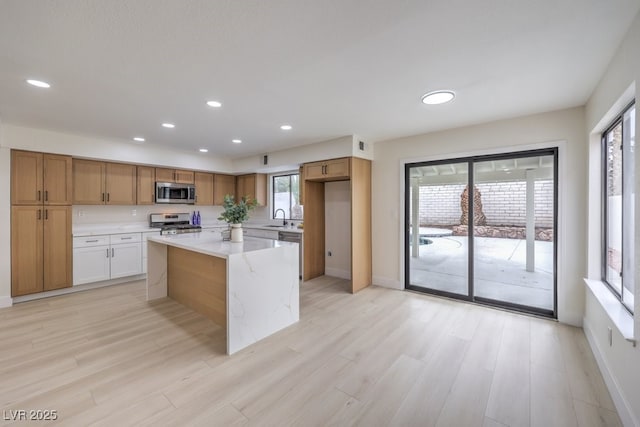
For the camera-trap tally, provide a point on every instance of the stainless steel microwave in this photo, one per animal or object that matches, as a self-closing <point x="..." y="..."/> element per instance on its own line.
<point x="170" y="192"/>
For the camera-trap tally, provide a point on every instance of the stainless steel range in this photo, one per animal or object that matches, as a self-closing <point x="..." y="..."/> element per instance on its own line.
<point x="173" y="223"/>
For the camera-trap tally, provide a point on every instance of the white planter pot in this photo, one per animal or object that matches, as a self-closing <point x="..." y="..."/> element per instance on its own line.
<point x="236" y="232"/>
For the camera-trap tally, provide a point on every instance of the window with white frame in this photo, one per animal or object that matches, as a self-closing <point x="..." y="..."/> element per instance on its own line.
<point x="618" y="148"/>
<point x="285" y="195"/>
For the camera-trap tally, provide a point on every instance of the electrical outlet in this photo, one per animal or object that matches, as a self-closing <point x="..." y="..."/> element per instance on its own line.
<point x="329" y="253"/>
<point x="134" y="212"/>
<point x="80" y="213"/>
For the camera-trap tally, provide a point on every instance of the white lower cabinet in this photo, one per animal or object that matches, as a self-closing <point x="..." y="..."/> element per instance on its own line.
<point x="98" y="258"/>
<point x="91" y="264"/>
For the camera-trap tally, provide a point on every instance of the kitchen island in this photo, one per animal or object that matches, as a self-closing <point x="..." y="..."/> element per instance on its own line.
<point x="250" y="288"/>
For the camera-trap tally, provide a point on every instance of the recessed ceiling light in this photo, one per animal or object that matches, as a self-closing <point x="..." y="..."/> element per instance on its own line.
<point x="168" y="125"/>
<point x="38" y="83"/>
<point x="204" y="150"/>
<point x="138" y="139"/>
<point x="236" y="141"/>
<point x="214" y="104"/>
<point x="286" y="127"/>
<point x="438" y="97"/>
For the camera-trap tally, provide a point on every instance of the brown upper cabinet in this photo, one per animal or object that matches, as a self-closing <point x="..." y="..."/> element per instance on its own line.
<point x="100" y="183"/>
<point x="328" y="170"/>
<point x="223" y="185"/>
<point x="146" y="188"/>
<point x="252" y="186"/>
<point x="175" y="175"/>
<point x="40" y="178"/>
<point x="204" y="188"/>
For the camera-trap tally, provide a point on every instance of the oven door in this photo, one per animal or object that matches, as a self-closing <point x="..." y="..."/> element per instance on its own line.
<point x="169" y="192"/>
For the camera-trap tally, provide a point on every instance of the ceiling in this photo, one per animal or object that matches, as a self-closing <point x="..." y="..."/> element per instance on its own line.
<point x="120" y="68"/>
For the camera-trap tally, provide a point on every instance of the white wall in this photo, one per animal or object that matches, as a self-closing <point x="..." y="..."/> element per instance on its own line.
<point x="107" y="149"/>
<point x="536" y="131"/>
<point x="292" y="158"/>
<point x="5" y="225"/>
<point x="620" y="362"/>
<point x="337" y="232"/>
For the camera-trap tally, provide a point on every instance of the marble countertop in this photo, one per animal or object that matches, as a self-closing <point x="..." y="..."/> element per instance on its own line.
<point x="113" y="228"/>
<point x="212" y="244"/>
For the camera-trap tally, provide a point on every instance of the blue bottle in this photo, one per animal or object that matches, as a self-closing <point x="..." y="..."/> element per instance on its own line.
<point x="198" y="219"/>
<point x="194" y="218"/>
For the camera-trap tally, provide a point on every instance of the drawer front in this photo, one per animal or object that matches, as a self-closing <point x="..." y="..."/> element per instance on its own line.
<point x="88" y="241"/>
<point x="117" y="239"/>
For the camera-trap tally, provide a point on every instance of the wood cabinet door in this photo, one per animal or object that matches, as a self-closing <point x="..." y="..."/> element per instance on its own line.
<point x="26" y="178"/>
<point x="57" y="179"/>
<point x="314" y="171"/>
<point x="88" y="182"/>
<point x="242" y="187"/>
<point x="120" y="184"/>
<point x="184" y="177"/>
<point x="58" y="247"/>
<point x="252" y="186"/>
<point x="146" y="188"/>
<point x="223" y="185"/>
<point x="165" y="175"/>
<point x="204" y="188"/>
<point x="26" y="250"/>
<point x="337" y="168"/>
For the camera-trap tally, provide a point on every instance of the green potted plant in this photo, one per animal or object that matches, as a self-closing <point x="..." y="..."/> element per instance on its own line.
<point x="236" y="213"/>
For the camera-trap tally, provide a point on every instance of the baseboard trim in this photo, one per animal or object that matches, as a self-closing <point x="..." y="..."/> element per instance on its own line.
<point x="624" y="410"/>
<point x="79" y="288"/>
<point x="386" y="282"/>
<point x="337" y="272"/>
<point x="6" y="302"/>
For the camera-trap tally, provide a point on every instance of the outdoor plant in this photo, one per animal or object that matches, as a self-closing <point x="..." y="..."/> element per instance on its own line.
<point x="236" y="213"/>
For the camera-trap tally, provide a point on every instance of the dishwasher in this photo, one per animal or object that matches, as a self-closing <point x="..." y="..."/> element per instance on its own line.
<point x="288" y="236"/>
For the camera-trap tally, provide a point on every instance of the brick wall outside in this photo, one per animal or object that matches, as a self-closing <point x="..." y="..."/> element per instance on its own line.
<point x="503" y="203"/>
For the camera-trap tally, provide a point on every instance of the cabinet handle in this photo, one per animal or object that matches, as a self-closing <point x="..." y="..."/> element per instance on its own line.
<point x="107" y="197"/>
<point x="46" y="214"/>
<point x="39" y="214"/>
<point x="46" y="195"/>
<point x="107" y="252"/>
<point x="103" y="197"/>
<point x="126" y="238"/>
<point x="113" y="252"/>
<point x="91" y="241"/>
<point x="38" y="195"/>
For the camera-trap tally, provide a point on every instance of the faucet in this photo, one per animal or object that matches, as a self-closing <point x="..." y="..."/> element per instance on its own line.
<point x="284" y="220"/>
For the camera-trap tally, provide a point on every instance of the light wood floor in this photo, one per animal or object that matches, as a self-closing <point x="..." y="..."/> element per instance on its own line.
<point x="380" y="357"/>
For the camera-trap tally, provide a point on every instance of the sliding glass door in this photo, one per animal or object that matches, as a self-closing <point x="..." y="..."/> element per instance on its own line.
<point x="438" y="260"/>
<point x="483" y="229"/>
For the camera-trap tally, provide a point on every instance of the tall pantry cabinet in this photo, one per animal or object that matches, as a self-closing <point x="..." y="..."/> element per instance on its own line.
<point x="41" y="236"/>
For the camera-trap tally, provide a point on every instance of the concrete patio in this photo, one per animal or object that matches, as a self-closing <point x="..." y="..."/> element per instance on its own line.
<point x="499" y="269"/>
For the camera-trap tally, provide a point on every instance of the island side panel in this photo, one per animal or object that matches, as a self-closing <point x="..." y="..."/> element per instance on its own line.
<point x="199" y="282"/>
<point x="263" y="294"/>
<point x="156" y="270"/>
